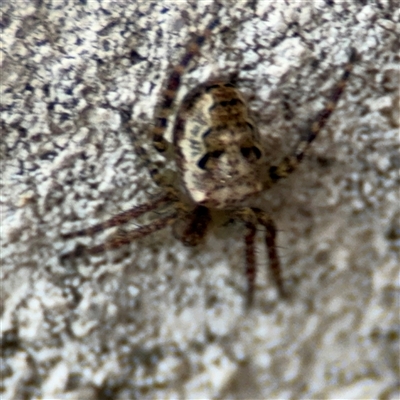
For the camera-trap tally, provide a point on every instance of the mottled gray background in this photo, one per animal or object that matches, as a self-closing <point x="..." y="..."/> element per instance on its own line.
<point x="156" y="319"/>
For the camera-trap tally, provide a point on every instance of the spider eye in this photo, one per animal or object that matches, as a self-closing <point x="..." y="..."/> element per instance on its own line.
<point x="248" y="152"/>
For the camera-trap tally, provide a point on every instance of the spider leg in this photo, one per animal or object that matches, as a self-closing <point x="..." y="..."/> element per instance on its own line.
<point x="249" y="217"/>
<point x="253" y="217"/>
<point x="251" y="268"/>
<point x="165" y="108"/>
<point x="172" y="86"/>
<point x="270" y="235"/>
<point x="120" y="218"/>
<point x="123" y="238"/>
<point x="289" y="164"/>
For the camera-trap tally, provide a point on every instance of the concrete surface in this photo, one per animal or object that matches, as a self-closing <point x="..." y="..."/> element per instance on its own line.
<point x="156" y="320"/>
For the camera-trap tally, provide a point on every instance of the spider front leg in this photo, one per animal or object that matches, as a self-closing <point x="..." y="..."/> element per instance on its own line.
<point x="122" y="238"/>
<point x="253" y="217"/>
<point x="270" y="235"/>
<point x="290" y="163"/>
<point x="251" y="269"/>
<point x="120" y="219"/>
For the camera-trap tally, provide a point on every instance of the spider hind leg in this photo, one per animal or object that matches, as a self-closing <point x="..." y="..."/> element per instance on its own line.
<point x="172" y="86"/>
<point x="290" y="163"/>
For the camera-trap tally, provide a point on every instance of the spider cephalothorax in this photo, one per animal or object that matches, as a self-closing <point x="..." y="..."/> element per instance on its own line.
<point x="220" y="163"/>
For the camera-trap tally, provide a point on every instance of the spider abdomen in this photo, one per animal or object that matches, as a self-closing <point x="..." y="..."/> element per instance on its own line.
<point x="218" y="146"/>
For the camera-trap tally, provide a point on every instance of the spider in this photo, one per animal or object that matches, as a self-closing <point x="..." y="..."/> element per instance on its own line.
<point x="220" y="162"/>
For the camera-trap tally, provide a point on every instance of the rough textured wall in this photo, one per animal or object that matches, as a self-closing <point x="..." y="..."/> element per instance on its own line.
<point x="157" y="319"/>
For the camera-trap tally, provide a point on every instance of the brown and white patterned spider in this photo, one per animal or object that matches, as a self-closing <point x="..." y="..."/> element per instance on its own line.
<point x="221" y="163"/>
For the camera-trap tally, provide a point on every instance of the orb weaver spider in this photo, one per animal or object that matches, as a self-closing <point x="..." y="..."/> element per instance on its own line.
<point x="221" y="163"/>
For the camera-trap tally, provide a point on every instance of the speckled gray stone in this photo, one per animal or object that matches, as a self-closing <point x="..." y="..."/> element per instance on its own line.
<point x="158" y="320"/>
